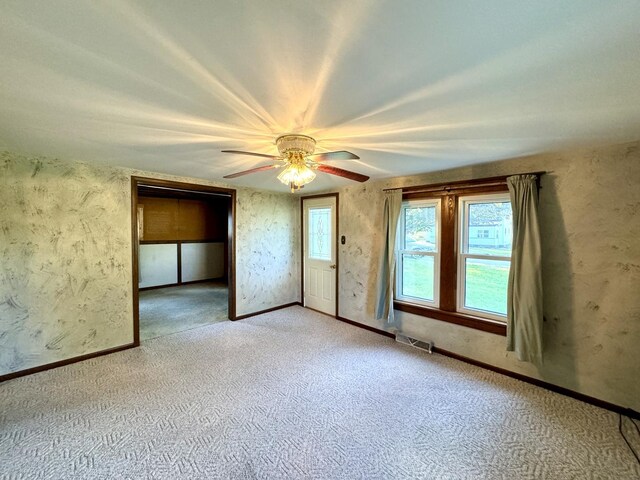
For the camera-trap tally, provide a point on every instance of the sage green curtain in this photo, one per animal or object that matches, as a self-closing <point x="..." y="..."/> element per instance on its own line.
<point x="386" y="277"/>
<point x="524" y="301"/>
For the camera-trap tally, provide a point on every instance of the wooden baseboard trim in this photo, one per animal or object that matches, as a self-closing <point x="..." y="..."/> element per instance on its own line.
<point x="272" y="309"/>
<point x="180" y="284"/>
<point x="629" y="412"/>
<point x="318" y="311"/>
<point x="62" y="363"/>
<point x="366" y="327"/>
<point x="157" y="287"/>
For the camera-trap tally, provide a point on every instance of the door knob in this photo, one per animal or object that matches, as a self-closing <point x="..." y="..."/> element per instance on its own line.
<point x="332" y="267"/>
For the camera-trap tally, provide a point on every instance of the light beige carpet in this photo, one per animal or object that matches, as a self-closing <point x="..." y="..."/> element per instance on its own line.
<point x="168" y="310"/>
<point x="295" y="394"/>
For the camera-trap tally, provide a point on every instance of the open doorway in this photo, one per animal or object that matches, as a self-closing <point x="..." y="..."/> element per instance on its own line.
<point x="183" y="261"/>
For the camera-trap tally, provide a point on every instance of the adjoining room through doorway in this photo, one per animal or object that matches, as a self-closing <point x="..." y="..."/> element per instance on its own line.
<point x="183" y="253"/>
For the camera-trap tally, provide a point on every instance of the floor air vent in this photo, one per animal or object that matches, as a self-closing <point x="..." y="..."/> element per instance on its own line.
<point x="426" y="346"/>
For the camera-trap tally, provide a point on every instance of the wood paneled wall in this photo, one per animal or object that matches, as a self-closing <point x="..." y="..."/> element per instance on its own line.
<point x="172" y="219"/>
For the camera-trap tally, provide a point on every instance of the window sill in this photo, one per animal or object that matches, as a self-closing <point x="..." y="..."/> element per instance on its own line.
<point x="478" y="323"/>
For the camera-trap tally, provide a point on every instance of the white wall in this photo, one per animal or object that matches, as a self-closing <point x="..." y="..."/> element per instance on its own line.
<point x="201" y="261"/>
<point x="158" y="265"/>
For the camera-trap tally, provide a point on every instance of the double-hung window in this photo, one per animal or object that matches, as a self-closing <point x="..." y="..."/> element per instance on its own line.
<point x="454" y="253"/>
<point x="418" y="269"/>
<point x="484" y="260"/>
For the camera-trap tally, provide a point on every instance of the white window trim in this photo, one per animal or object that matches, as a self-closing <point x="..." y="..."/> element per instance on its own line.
<point x="463" y="209"/>
<point x="436" y="255"/>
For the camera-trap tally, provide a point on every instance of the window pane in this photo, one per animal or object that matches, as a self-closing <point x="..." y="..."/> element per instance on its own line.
<point x="486" y="285"/>
<point x="489" y="229"/>
<point x="420" y="228"/>
<point x="320" y="233"/>
<point x="417" y="276"/>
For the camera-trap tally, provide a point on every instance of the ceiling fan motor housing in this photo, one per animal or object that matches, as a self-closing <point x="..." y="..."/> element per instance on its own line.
<point x="295" y="143"/>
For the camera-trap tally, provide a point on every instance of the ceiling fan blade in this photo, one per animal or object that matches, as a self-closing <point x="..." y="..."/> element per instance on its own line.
<point x="275" y="157"/>
<point x="339" y="155"/>
<point x="253" y="170"/>
<point x="342" y="173"/>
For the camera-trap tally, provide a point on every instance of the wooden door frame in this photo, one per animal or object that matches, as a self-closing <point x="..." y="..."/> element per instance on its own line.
<point x="337" y="245"/>
<point x="231" y="234"/>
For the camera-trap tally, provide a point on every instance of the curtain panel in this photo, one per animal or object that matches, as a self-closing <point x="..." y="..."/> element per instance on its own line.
<point x="524" y="300"/>
<point x="386" y="278"/>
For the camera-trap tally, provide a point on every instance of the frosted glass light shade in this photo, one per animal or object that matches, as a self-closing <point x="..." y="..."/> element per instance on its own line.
<point x="297" y="175"/>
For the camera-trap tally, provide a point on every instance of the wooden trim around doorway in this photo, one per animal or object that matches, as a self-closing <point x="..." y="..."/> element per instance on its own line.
<point x="136" y="182"/>
<point x="337" y="246"/>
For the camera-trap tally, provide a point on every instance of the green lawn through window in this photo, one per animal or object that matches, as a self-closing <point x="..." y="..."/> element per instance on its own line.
<point x="486" y="286"/>
<point x="418" y="277"/>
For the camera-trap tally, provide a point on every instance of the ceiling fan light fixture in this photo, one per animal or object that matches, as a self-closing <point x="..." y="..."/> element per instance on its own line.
<point x="299" y="161"/>
<point x="296" y="175"/>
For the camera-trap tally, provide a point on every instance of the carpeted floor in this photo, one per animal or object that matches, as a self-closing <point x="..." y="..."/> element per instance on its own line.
<point x="296" y="394"/>
<point x="164" y="311"/>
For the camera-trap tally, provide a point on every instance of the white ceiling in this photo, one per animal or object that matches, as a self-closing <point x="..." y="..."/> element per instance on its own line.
<point x="409" y="86"/>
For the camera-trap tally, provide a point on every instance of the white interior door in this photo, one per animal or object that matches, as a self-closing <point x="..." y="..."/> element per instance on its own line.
<point x="320" y="254"/>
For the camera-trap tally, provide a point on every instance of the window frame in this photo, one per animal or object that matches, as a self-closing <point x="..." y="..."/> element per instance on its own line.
<point x="400" y="252"/>
<point x="463" y="208"/>
<point x="449" y="193"/>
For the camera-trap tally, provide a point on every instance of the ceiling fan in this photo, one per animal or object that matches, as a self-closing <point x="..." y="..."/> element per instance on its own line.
<point x="299" y="162"/>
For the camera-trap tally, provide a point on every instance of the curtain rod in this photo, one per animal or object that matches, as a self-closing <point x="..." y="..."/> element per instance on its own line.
<point x="480" y="182"/>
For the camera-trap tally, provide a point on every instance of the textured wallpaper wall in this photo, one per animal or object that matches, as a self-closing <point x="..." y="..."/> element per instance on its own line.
<point x="65" y="281"/>
<point x="65" y="277"/>
<point x="65" y="248"/>
<point x="268" y="246"/>
<point x="590" y="213"/>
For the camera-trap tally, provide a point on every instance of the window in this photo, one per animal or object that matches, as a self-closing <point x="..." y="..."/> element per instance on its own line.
<point x="484" y="260"/>
<point x="320" y="233"/>
<point x="454" y="253"/>
<point x="418" y="268"/>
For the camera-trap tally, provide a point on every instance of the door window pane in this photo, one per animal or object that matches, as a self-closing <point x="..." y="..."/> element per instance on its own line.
<point x="489" y="229"/>
<point x="420" y="228"/>
<point x="320" y="233"/>
<point x="417" y="276"/>
<point x="486" y="285"/>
